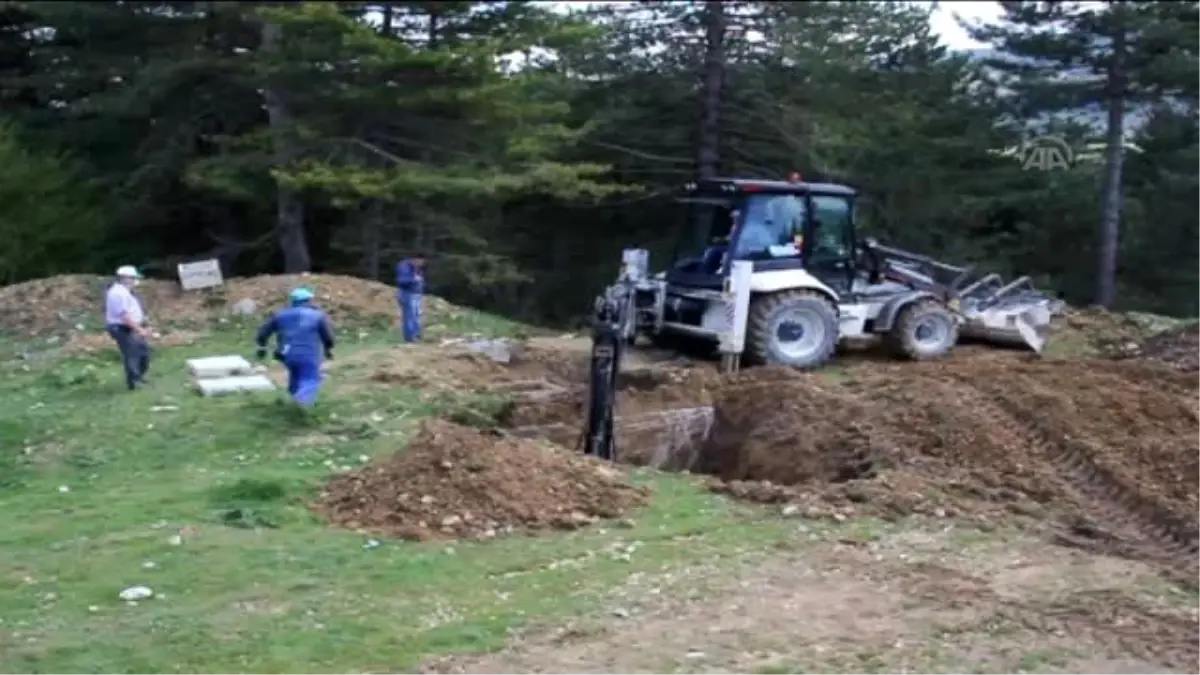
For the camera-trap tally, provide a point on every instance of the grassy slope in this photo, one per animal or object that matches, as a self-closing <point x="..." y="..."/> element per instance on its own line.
<point x="94" y="483"/>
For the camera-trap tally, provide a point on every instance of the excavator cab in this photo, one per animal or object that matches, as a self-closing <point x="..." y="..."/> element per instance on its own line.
<point x="777" y="225"/>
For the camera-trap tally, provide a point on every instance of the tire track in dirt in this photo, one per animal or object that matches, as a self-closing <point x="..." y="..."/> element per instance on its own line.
<point x="1144" y="529"/>
<point x="1102" y="456"/>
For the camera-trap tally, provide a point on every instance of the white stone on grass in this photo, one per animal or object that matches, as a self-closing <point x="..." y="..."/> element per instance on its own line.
<point x="232" y="385"/>
<point x="219" y="366"/>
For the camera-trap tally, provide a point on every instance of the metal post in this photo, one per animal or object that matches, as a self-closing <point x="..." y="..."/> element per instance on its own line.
<point x="736" y="295"/>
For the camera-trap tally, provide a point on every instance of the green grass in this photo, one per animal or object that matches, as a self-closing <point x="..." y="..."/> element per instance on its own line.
<point x="95" y="482"/>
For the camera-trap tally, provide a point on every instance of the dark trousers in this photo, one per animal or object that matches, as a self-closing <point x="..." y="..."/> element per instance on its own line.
<point x="135" y="353"/>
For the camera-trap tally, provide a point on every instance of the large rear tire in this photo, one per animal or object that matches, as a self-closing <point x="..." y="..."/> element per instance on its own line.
<point x="924" y="330"/>
<point x="792" y="328"/>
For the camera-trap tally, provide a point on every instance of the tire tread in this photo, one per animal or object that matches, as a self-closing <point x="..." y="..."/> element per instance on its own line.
<point x="757" y="324"/>
<point x="896" y="338"/>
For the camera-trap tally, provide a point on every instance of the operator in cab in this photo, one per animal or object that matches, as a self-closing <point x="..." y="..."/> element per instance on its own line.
<point x="771" y="228"/>
<point x="303" y="337"/>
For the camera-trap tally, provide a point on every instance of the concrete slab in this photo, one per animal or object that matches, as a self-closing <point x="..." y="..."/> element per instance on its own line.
<point x="219" y="366"/>
<point x="221" y="386"/>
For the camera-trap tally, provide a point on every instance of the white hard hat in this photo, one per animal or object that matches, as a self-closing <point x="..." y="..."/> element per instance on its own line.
<point x="128" y="271"/>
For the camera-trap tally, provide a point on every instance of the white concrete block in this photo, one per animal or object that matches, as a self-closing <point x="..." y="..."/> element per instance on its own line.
<point x="219" y="366"/>
<point x="232" y="385"/>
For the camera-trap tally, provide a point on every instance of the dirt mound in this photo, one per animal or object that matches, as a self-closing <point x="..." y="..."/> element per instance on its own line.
<point x="454" y="367"/>
<point x="1178" y="348"/>
<point x="73" y="302"/>
<point x="458" y="482"/>
<point x="1107" y="450"/>
<point x="1105" y="333"/>
<point x="1106" y="453"/>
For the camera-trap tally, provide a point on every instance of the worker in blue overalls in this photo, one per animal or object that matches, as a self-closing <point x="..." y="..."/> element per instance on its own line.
<point x="303" y="338"/>
<point x="410" y="286"/>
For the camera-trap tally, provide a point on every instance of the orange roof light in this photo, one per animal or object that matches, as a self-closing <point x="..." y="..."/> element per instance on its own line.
<point x="794" y="177"/>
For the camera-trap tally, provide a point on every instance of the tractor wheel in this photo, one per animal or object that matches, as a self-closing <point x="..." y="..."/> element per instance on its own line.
<point x="924" y="330"/>
<point x="791" y="328"/>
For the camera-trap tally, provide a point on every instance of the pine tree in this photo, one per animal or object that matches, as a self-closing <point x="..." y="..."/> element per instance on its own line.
<point x="1072" y="57"/>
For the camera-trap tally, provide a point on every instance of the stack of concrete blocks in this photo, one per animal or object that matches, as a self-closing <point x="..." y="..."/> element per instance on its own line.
<point x="220" y="375"/>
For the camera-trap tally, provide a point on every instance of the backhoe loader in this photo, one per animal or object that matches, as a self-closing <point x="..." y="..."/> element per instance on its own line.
<point x="810" y="282"/>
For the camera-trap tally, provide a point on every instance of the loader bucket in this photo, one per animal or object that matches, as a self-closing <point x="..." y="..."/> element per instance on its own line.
<point x="1013" y="313"/>
<point x="1034" y="327"/>
<point x="1019" y="325"/>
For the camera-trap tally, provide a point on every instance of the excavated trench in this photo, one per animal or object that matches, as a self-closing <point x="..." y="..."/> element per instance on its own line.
<point x="1100" y="455"/>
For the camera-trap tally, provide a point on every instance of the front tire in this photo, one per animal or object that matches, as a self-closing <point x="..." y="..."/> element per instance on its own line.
<point x="924" y="330"/>
<point x="792" y="328"/>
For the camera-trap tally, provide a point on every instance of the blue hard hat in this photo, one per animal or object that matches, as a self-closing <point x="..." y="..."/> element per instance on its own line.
<point x="300" y="295"/>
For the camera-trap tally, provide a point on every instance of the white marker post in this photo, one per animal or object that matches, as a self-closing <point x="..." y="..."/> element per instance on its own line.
<point x="736" y="295"/>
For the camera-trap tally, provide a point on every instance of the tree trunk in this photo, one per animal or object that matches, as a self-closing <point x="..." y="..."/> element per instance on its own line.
<point x="708" y="155"/>
<point x="372" y="239"/>
<point x="1114" y="159"/>
<point x="385" y="25"/>
<point x="289" y="223"/>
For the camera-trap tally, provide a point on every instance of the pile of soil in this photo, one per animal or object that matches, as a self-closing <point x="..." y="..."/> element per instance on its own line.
<point x="458" y="482"/>
<point x="1106" y="333"/>
<point x="71" y="302"/>
<point x="1178" y="349"/>
<point x="1106" y="451"/>
<point x="1132" y="335"/>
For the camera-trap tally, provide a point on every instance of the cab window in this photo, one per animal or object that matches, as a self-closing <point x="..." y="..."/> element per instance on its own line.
<point x="833" y="220"/>
<point x="769" y="220"/>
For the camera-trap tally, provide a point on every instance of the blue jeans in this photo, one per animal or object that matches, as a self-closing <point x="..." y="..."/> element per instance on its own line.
<point x="135" y="353"/>
<point x="304" y="379"/>
<point x="410" y="315"/>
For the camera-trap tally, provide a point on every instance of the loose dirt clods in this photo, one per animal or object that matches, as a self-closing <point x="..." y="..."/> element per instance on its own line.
<point x="459" y="482"/>
<point x="1178" y="348"/>
<point x="1106" y="333"/>
<point x="1106" y="451"/>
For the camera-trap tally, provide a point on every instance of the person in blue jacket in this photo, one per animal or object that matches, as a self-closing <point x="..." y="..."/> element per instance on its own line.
<point x="410" y="286"/>
<point x="303" y="337"/>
